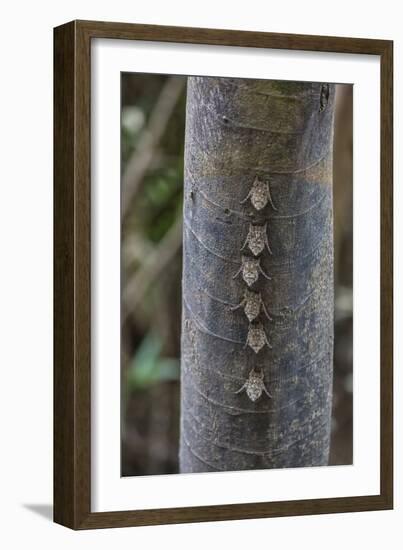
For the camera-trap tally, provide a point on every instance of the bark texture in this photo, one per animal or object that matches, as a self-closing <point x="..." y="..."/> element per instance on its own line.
<point x="281" y="132"/>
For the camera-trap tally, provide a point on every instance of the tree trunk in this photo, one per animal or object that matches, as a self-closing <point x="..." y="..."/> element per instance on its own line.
<point x="258" y="161"/>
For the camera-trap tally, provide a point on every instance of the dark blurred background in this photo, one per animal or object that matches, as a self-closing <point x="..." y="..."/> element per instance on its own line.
<point x="152" y="147"/>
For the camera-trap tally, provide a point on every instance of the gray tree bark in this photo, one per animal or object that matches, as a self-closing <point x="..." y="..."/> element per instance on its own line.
<point x="248" y="403"/>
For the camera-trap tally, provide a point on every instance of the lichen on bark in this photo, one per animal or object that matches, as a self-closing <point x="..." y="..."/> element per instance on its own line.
<point x="282" y="133"/>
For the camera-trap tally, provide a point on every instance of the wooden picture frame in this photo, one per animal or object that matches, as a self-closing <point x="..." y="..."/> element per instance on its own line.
<point x="72" y="269"/>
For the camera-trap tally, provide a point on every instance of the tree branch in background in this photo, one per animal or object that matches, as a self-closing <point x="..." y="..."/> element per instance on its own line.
<point x="152" y="267"/>
<point x="139" y="161"/>
<point x="134" y="249"/>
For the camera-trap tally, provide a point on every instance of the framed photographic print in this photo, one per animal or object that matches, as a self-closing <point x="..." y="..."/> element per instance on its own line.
<point x="223" y="275"/>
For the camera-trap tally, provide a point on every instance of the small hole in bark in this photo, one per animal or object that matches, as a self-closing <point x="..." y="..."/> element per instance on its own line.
<point x="225" y="120"/>
<point x="227" y="211"/>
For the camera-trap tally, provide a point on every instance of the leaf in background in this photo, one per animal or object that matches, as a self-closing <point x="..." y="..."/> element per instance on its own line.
<point x="147" y="367"/>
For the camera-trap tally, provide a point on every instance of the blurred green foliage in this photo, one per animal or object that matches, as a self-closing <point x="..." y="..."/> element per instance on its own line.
<point x="160" y="202"/>
<point x="148" y="367"/>
<point x="155" y="209"/>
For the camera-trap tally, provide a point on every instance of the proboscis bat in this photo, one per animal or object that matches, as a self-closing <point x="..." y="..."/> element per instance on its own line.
<point x="254" y="386"/>
<point x="252" y="304"/>
<point x="257" y="338"/>
<point x="250" y="268"/>
<point x="259" y="194"/>
<point x="257" y="240"/>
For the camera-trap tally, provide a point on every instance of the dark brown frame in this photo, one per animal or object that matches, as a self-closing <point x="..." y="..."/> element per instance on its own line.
<point x="72" y="292"/>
